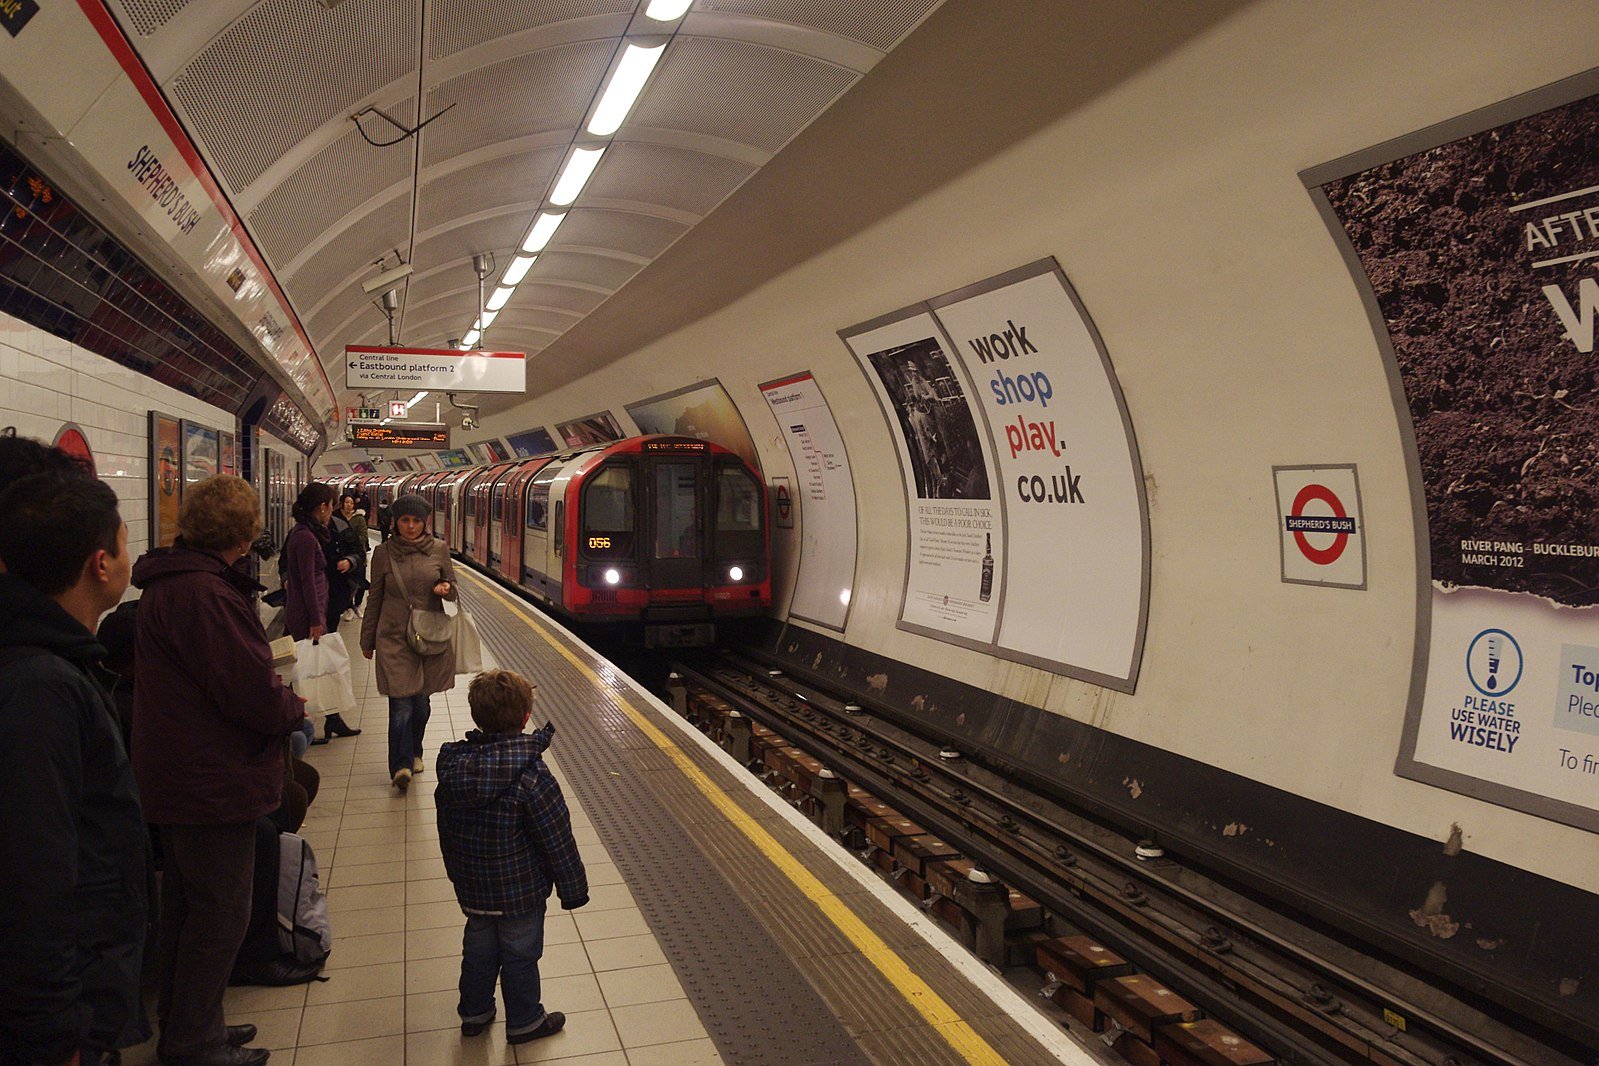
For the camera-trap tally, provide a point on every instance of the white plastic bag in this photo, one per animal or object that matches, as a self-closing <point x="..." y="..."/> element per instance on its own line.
<point x="322" y="675"/>
<point x="468" y="647"/>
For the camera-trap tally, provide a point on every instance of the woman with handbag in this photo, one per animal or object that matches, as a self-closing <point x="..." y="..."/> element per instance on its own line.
<point x="406" y="630"/>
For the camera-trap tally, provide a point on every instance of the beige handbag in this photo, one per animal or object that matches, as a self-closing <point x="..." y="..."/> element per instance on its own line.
<point x="426" y="632"/>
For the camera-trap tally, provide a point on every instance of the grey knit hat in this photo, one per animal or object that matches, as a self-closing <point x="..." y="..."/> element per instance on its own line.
<point x="410" y="506"/>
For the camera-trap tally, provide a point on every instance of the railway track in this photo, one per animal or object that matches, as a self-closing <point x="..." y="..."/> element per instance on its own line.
<point x="1285" y="983"/>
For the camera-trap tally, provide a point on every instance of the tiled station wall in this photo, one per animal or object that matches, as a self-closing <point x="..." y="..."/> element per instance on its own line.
<point x="46" y="382"/>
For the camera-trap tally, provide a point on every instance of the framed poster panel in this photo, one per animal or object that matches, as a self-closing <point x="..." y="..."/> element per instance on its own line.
<point x="227" y="445"/>
<point x="166" y="478"/>
<point x="825" y="499"/>
<point x="531" y="442"/>
<point x="600" y="428"/>
<point x="703" y="411"/>
<point x="200" y="452"/>
<point x="1473" y="244"/>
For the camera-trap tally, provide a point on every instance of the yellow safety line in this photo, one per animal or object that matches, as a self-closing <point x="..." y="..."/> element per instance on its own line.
<point x="928" y="1003"/>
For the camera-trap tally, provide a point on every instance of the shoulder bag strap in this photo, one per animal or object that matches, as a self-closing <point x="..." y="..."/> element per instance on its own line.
<point x="394" y="568"/>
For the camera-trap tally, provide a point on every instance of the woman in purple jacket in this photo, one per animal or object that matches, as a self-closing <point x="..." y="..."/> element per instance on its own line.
<point x="305" y="576"/>
<point x="210" y="718"/>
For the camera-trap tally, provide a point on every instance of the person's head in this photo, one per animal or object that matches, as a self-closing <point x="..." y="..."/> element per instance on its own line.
<point x="347" y="505"/>
<point x="315" y="503"/>
<point x="61" y="533"/>
<point x="501" y="701"/>
<point x="23" y="456"/>
<point x="220" y="514"/>
<point x="410" y="516"/>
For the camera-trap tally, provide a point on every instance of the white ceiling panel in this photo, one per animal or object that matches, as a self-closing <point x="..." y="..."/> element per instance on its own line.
<point x="585" y="269"/>
<point x="739" y="91"/>
<point x="453" y="249"/>
<point x="671" y="177"/>
<point x="148" y="16"/>
<point x="628" y="232"/>
<point x="511" y="179"/>
<point x="879" y="23"/>
<point x="459" y="24"/>
<point x="344" y="261"/>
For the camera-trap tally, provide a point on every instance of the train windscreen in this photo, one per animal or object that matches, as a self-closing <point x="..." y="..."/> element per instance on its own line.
<point x="738" y="514"/>
<point x="608" y="514"/>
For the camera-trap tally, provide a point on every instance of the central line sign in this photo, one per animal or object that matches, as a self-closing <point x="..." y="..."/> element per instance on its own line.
<point x="443" y="369"/>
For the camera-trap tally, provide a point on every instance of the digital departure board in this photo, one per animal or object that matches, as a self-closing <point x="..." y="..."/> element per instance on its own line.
<point x="431" y="436"/>
<point x="679" y="447"/>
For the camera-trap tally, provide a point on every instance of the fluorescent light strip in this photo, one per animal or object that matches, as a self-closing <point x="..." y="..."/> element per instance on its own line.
<point x="416" y="399"/>
<point x="518" y="270"/>
<point x="473" y="335"/>
<point x="628" y="81"/>
<point x="485" y="320"/>
<point x="497" y="301"/>
<point x="544" y="228"/>
<point x="667" y="10"/>
<point x="576" y="175"/>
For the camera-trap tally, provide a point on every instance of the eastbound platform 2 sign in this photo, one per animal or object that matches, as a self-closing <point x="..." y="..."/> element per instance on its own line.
<point x="442" y="369"/>
<point x="431" y="436"/>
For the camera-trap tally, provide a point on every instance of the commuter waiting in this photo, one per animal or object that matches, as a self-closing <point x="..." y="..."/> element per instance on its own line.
<point x="506" y="837"/>
<point x="410" y="570"/>
<point x="304" y="567"/>
<point x="72" y="838"/>
<point x="210" y="722"/>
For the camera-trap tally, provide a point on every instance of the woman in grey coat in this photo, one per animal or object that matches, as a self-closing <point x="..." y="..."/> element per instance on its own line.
<point x="417" y="564"/>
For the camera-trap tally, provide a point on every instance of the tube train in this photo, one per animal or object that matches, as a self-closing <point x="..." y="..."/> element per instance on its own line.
<point x="668" y="532"/>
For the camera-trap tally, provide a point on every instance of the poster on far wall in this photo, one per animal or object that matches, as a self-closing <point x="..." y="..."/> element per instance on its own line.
<point x="530" y="442"/>
<point x="490" y="451"/>
<point x="454" y="458"/>
<point x="955" y="560"/>
<point x="826" y="500"/>
<point x="428" y="461"/>
<point x="200" y="452"/>
<point x="166" y="478"/>
<point x="227" y="444"/>
<point x="594" y="429"/>
<point x="1474" y="245"/>
<point x="703" y="411"/>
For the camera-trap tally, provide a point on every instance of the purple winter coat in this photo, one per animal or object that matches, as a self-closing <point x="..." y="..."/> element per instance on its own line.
<point x="305" y="579"/>
<point x="209" y="711"/>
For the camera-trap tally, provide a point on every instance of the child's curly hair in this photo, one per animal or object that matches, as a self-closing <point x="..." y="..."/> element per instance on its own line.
<point x="500" y="700"/>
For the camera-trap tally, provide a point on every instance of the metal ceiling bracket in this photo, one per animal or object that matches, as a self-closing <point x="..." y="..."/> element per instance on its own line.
<point x="405" y="131"/>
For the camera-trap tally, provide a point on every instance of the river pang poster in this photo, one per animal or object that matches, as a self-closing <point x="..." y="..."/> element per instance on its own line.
<point x="1476" y="243"/>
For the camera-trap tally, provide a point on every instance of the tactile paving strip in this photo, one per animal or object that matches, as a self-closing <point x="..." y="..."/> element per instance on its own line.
<point x="755" y="1001"/>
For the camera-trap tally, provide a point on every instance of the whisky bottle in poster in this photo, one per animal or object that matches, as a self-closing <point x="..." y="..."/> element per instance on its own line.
<point x="987" y="588"/>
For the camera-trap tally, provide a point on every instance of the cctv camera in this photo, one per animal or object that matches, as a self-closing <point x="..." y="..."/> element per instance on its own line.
<point x="468" y="422"/>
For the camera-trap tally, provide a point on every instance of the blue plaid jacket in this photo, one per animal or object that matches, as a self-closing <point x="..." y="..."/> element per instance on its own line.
<point x="504" y="827"/>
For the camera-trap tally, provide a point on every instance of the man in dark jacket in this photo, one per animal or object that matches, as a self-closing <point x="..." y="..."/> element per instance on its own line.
<point x="210" y="718"/>
<point x="72" y="838"/>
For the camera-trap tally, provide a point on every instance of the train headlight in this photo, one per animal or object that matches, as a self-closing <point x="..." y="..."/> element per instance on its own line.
<point x="735" y="573"/>
<point x="613" y="576"/>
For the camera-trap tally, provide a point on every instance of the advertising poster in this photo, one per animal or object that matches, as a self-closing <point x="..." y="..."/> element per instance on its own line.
<point x="1476" y="243"/>
<point x="703" y="411"/>
<point x="454" y="458"/>
<point x="956" y="557"/>
<point x="166" y="481"/>
<point x="200" y="456"/>
<point x="228" y="445"/>
<point x="428" y="461"/>
<point x="493" y="450"/>
<point x="595" y="429"/>
<point x="826" y="500"/>
<point x="531" y="442"/>
<point x="1071" y="488"/>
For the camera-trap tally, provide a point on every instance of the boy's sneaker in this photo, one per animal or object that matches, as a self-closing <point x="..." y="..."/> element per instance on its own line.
<point x="476" y="1028"/>
<point x="402" y="778"/>
<point x="552" y="1023"/>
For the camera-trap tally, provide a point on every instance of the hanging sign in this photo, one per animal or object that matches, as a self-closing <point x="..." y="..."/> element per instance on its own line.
<point x="411" y="435"/>
<point x="443" y="369"/>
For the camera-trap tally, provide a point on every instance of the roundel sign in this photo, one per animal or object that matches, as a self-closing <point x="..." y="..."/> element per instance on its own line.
<point x="1319" y="525"/>
<point x="783" y="501"/>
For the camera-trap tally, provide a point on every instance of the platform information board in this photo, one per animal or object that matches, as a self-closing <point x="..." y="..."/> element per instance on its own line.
<point x="431" y="436"/>
<point x="434" y="369"/>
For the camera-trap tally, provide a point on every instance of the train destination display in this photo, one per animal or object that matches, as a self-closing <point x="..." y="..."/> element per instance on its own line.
<point x="1018" y="452"/>
<point x="410" y="435"/>
<point x="1475" y="245"/>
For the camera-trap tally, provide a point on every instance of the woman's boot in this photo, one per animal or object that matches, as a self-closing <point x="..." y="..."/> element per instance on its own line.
<point x="336" y="727"/>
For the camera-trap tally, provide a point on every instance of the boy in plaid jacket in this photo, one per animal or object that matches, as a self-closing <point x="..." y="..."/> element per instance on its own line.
<point x="507" y="840"/>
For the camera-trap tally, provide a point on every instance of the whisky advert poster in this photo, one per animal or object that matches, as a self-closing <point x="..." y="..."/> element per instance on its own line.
<point x="1477" y="242"/>
<point x="1076" y="542"/>
<point x="956" y="553"/>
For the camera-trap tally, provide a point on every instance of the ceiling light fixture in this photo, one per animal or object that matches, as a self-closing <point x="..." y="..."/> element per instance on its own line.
<point x="486" y="319"/>
<point x="471" y="338"/>
<point x="497" y="301"/>
<point x="667" y="10"/>
<point x="544" y="228"/>
<point x="626" y="84"/>
<point x="518" y="270"/>
<point x="575" y="175"/>
<point x="413" y="401"/>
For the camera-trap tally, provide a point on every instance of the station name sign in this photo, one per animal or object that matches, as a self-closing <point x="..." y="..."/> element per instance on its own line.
<point x="431" y="436"/>
<point x="442" y="369"/>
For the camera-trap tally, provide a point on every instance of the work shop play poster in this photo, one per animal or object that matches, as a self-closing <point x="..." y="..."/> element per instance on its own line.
<point x="1480" y="254"/>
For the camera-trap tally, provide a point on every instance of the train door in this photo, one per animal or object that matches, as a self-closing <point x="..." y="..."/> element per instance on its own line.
<point x="541" y="571"/>
<point x="674" y="554"/>
<point x="516" y="486"/>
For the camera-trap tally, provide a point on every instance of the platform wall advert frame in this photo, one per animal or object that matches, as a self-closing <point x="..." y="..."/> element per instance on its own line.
<point x="166" y="479"/>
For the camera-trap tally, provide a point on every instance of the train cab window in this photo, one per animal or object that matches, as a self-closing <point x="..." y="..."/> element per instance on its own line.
<point x="738" y="513"/>
<point x="677" y="533"/>
<point x="607" y="514"/>
<point x="538" y="496"/>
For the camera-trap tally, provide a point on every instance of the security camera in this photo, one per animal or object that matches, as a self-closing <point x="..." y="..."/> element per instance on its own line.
<point x="468" y="422"/>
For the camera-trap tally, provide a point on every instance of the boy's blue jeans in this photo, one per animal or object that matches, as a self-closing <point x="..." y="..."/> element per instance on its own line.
<point x="509" y="949"/>
<point x="408" y="718"/>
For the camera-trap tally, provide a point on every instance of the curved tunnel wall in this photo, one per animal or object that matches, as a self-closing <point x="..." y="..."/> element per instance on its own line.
<point x="1173" y="203"/>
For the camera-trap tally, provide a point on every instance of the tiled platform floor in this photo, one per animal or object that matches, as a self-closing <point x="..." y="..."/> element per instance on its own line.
<point x="391" y="996"/>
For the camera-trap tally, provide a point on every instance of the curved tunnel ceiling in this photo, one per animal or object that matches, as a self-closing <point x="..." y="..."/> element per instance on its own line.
<point x="267" y="89"/>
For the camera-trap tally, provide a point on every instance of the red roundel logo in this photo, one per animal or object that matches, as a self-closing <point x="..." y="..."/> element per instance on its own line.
<point x="1340" y="525"/>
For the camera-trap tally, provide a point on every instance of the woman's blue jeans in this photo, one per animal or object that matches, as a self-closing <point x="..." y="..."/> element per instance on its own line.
<point x="507" y="948"/>
<point x="408" y="718"/>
